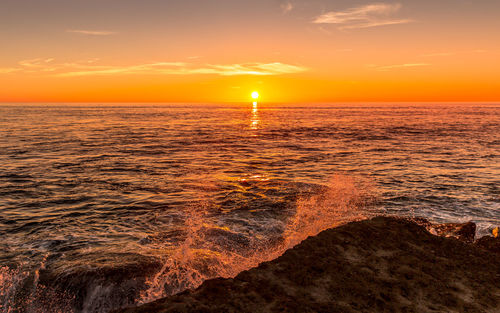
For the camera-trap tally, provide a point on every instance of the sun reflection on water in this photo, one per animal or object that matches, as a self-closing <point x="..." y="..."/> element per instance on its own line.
<point x="255" y="116"/>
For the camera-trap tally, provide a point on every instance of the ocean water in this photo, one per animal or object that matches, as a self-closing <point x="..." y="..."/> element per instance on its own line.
<point x="104" y="206"/>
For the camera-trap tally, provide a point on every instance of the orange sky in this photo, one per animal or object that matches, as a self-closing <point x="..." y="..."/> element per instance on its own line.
<point x="222" y="50"/>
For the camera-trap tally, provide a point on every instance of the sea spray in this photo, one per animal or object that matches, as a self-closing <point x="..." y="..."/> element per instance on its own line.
<point x="20" y="292"/>
<point x="199" y="258"/>
<point x="11" y="283"/>
<point x="345" y="199"/>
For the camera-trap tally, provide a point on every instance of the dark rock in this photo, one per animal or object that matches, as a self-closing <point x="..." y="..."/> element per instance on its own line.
<point x="489" y="243"/>
<point x="379" y="265"/>
<point x="101" y="283"/>
<point x="464" y="232"/>
<point x="421" y="221"/>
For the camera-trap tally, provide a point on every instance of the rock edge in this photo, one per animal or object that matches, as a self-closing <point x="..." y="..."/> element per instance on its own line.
<point x="385" y="264"/>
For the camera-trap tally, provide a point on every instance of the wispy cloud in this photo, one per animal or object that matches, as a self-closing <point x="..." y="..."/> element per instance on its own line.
<point x="92" y="68"/>
<point x="8" y="70"/>
<point x="286" y="7"/>
<point x="276" y="68"/>
<point x="35" y="63"/>
<point x="79" y="69"/>
<point x="370" y="15"/>
<point x="90" y="32"/>
<point x="397" y="66"/>
<point x="179" y="68"/>
<point x="31" y="65"/>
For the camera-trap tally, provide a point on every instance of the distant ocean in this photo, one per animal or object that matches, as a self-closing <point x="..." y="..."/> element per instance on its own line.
<point x="103" y="206"/>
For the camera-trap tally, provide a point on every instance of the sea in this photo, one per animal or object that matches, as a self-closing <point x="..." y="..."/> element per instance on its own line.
<point x="105" y="206"/>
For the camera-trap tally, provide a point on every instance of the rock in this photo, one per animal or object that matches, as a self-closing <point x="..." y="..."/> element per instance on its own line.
<point x="101" y="283"/>
<point x="489" y="243"/>
<point x="421" y="221"/>
<point x="467" y="232"/>
<point x="464" y="232"/>
<point x="397" y="267"/>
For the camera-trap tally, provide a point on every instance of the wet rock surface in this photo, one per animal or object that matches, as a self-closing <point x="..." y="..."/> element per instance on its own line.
<point x="465" y="232"/>
<point x="110" y="285"/>
<point x="379" y="265"/>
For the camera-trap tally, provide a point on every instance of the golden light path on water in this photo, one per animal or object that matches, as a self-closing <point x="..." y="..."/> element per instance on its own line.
<point x="255" y="116"/>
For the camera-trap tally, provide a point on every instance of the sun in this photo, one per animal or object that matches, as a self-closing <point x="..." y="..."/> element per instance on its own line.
<point x="255" y="95"/>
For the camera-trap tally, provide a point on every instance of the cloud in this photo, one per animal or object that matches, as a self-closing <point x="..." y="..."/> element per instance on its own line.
<point x="31" y="66"/>
<point x="34" y="63"/>
<point x="286" y="7"/>
<point x="279" y="68"/>
<point x="250" y="69"/>
<point x="92" y="68"/>
<point x="100" y="70"/>
<point x="180" y="68"/>
<point x="8" y="70"/>
<point x="90" y="32"/>
<point x="398" y="66"/>
<point x="370" y="15"/>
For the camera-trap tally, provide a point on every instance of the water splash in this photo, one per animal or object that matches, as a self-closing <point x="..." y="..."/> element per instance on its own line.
<point x="11" y="282"/>
<point x="21" y="292"/>
<point x="199" y="257"/>
<point x="344" y="200"/>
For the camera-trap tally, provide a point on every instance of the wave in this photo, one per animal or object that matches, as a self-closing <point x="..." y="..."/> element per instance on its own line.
<point x="208" y="246"/>
<point x="210" y="250"/>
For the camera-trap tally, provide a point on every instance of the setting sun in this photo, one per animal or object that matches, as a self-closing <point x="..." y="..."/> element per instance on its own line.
<point x="255" y="95"/>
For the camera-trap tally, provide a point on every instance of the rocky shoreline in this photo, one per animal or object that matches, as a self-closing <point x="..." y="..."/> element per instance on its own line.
<point x="384" y="264"/>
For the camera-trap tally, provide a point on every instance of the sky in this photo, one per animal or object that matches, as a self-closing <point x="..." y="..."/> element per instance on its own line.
<point x="210" y="51"/>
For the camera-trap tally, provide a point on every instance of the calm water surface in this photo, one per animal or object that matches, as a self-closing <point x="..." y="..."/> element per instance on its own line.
<point x="94" y="198"/>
